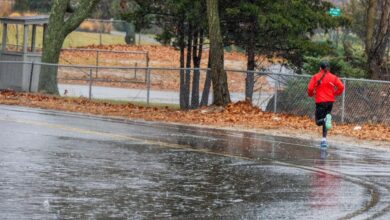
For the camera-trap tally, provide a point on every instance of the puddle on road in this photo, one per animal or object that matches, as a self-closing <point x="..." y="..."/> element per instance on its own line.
<point x="84" y="181"/>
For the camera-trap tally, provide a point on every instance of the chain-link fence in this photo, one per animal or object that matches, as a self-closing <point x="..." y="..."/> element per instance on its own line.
<point x="107" y="32"/>
<point x="98" y="57"/>
<point x="364" y="101"/>
<point x="101" y="32"/>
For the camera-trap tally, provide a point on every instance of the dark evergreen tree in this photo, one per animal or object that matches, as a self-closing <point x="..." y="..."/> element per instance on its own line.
<point x="280" y="29"/>
<point x="183" y="27"/>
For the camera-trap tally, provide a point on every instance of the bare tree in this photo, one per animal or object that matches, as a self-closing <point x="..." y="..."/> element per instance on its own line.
<point x="60" y="25"/>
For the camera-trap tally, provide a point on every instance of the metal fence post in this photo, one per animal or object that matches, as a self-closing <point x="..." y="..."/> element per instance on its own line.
<point x="276" y="93"/>
<point x="147" y="64"/>
<point x="90" y="83"/>
<point x="31" y="76"/>
<point x="148" y="86"/>
<point x="101" y="33"/>
<point x="97" y="63"/>
<point x="343" y="101"/>
<point x="135" y="70"/>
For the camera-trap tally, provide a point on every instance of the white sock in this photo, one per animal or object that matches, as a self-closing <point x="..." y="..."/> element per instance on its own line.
<point x="323" y="139"/>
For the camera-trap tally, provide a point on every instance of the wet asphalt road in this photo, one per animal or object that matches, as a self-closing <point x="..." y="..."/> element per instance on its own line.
<point x="67" y="166"/>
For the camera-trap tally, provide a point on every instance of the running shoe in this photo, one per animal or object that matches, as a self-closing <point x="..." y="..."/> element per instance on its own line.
<point x="324" y="144"/>
<point x="328" y="121"/>
<point x="323" y="153"/>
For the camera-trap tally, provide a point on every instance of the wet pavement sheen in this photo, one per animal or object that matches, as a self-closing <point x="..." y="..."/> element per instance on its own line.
<point x="67" y="166"/>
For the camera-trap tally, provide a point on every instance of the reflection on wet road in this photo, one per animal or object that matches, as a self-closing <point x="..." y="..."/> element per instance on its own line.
<point x="60" y="166"/>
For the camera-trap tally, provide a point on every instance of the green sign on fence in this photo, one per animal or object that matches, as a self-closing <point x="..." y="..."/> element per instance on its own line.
<point x="335" y="12"/>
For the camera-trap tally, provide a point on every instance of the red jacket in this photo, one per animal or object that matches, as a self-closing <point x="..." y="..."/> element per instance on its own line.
<point x="329" y="87"/>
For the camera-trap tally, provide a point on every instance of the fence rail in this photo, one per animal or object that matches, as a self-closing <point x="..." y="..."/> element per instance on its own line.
<point x="363" y="101"/>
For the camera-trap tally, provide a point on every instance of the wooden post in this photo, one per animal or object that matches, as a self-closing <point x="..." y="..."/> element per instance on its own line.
<point x="44" y="33"/>
<point x="5" y="32"/>
<point x="25" y="38"/>
<point x="33" y="38"/>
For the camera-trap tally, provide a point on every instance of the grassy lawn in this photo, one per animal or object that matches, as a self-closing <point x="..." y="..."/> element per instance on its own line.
<point x="75" y="39"/>
<point x="79" y="39"/>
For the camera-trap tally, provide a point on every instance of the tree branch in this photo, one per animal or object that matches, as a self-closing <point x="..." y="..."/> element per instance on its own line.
<point x="80" y="13"/>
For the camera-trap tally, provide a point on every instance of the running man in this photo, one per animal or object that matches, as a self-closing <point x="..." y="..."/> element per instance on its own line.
<point x="324" y="86"/>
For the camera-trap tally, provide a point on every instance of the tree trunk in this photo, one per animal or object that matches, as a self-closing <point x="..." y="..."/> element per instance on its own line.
<point x="48" y="76"/>
<point x="371" y="21"/>
<point x="188" y="66"/>
<point x="250" y="50"/>
<point x="59" y="27"/>
<point x="182" y="72"/>
<point x="376" y="37"/>
<point x="388" y="59"/>
<point x="218" y="75"/>
<point x="139" y="37"/>
<point x="374" y="67"/>
<point x="250" y="76"/>
<point x="197" y="57"/>
<point x="207" y="85"/>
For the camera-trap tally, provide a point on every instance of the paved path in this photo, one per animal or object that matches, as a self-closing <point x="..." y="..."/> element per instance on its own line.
<point x="140" y="95"/>
<point x="57" y="165"/>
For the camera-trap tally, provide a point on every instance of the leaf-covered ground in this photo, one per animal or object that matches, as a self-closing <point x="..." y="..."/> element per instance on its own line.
<point x="160" y="56"/>
<point x="236" y="115"/>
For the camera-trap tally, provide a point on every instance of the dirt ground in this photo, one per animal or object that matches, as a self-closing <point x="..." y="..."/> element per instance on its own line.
<point x="236" y="116"/>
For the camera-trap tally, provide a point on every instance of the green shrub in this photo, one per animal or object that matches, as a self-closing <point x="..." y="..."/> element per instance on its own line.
<point x="338" y="66"/>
